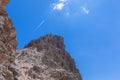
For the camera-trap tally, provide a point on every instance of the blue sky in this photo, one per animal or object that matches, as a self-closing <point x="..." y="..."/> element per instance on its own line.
<point x="91" y="29"/>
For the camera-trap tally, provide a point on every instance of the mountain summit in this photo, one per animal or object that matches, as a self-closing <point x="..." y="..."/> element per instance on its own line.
<point x="42" y="59"/>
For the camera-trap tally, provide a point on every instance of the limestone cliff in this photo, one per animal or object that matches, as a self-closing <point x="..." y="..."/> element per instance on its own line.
<point x="42" y="59"/>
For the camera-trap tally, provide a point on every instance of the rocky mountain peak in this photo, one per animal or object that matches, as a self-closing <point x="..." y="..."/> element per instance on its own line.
<point x="48" y="41"/>
<point x="55" y="55"/>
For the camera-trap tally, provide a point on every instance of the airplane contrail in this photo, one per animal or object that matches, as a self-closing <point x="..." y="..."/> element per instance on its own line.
<point x="41" y="23"/>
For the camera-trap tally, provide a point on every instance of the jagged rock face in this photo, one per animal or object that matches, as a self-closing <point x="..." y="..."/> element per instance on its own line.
<point x="47" y="42"/>
<point x="7" y="43"/>
<point x="3" y="3"/>
<point x="55" y="55"/>
<point x="55" y="49"/>
<point x="33" y="65"/>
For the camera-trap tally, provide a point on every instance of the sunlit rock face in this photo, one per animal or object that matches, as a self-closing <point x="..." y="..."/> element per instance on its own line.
<point x="33" y="65"/>
<point x="3" y="3"/>
<point x="7" y="42"/>
<point x="45" y="59"/>
<point x="48" y="63"/>
<point x="55" y="49"/>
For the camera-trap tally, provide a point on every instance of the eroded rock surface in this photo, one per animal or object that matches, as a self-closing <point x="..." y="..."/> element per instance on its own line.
<point x="31" y="64"/>
<point x="52" y="57"/>
<point x="8" y="42"/>
<point x="3" y="3"/>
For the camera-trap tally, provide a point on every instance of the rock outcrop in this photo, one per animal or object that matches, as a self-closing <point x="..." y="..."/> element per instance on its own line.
<point x="55" y="64"/>
<point x="42" y="59"/>
<point x="55" y="57"/>
<point x="8" y="42"/>
<point x="3" y="3"/>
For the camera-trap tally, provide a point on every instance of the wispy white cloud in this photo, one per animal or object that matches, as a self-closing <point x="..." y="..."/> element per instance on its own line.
<point x="41" y="23"/>
<point x="60" y="5"/>
<point x="70" y="7"/>
<point x="85" y="10"/>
